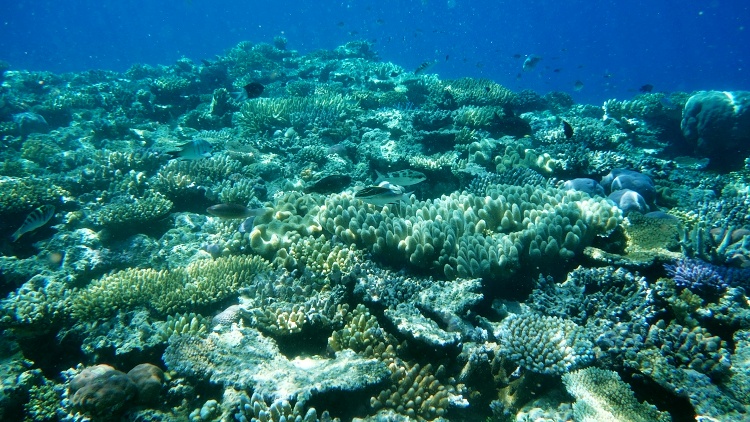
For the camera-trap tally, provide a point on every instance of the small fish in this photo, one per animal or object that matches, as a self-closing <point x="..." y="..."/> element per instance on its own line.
<point x="424" y="66"/>
<point x="235" y="211"/>
<point x="567" y="130"/>
<point x="578" y="85"/>
<point x="329" y="184"/>
<point x="530" y="63"/>
<point x="253" y="89"/>
<point x="646" y="88"/>
<point x="401" y="178"/>
<point x="247" y="225"/>
<point x="193" y="150"/>
<point x="382" y="195"/>
<point x="34" y="220"/>
<point x="517" y="56"/>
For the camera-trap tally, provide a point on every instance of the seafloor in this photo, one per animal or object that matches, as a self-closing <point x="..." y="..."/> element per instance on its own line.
<point x="502" y="287"/>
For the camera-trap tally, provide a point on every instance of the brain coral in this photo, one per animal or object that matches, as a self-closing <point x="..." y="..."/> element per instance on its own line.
<point x="101" y="391"/>
<point x="473" y="236"/>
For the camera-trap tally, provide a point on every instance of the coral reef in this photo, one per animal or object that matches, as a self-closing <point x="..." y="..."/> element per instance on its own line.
<point x="501" y="279"/>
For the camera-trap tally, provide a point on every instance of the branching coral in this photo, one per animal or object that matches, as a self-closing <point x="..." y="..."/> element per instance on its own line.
<point x="168" y="291"/>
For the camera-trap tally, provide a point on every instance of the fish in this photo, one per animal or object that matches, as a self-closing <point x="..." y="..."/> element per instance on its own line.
<point x="646" y="88"/>
<point x="329" y="184"/>
<point x="382" y="194"/>
<point x="567" y="130"/>
<point x="246" y="226"/>
<point x="235" y="211"/>
<point x="578" y="85"/>
<point x="253" y="90"/>
<point x="424" y="66"/>
<point x="401" y="177"/>
<point x="530" y="63"/>
<point x="34" y="220"/>
<point x="193" y="150"/>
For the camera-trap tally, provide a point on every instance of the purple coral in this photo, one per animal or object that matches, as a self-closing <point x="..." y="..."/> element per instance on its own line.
<point x="696" y="275"/>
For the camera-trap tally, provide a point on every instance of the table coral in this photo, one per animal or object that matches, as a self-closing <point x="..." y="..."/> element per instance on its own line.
<point x="199" y="284"/>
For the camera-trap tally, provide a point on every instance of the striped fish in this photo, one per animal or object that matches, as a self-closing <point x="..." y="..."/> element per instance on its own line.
<point x="382" y="194"/>
<point x="34" y="220"/>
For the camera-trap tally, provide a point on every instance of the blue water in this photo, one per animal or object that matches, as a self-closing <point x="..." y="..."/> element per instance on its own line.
<point x="612" y="47"/>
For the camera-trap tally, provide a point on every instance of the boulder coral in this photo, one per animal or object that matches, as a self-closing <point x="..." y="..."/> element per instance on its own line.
<point x="717" y="123"/>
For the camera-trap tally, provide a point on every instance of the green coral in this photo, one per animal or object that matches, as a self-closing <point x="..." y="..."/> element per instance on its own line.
<point x="602" y="396"/>
<point x="133" y="211"/>
<point x="470" y="236"/>
<point x="25" y="194"/>
<point x="478" y="92"/>
<point x="43" y="404"/>
<point x="268" y="114"/>
<point x="201" y="283"/>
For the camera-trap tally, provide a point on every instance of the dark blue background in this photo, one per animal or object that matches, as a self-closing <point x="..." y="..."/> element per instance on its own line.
<point x="613" y="47"/>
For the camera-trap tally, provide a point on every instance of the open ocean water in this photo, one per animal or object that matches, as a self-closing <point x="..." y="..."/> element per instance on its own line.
<point x="374" y="211"/>
<point x="613" y="48"/>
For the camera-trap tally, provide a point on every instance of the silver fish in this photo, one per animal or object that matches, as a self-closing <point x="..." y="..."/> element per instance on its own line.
<point x="401" y="178"/>
<point x="34" y="220"/>
<point x="193" y="150"/>
<point x="382" y="195"/>
<point x="235" y="211"/>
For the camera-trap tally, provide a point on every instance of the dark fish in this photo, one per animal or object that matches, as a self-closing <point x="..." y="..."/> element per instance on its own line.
<point x="193" y="150"/>
<point x="578" y="86"/>
<point x="329" y="184"/>
<point x="253" y="90"/>
<point x="646" y="88"/>
<point x="530" y="63"/>
<point x="424" y="66"/>
<point x="235" y="211"/>
<point x="567" y="130"/>
<point x="558" y="70"/>
<point x="34" y="220"/>
<point x="516" y="56"/>
<point x="247" y="225"/>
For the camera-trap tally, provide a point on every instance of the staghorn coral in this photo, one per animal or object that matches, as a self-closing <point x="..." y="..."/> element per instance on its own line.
<point x="167" y="291"/>
<point x="601" y="395"/>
